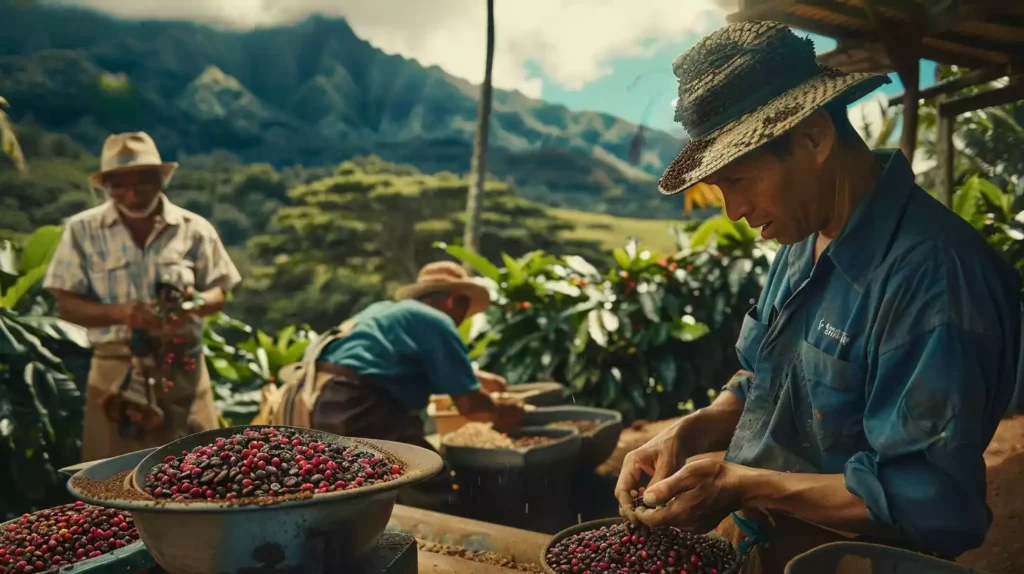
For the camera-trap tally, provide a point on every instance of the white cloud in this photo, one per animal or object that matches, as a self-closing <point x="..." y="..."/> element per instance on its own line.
<point x="573" y="41"/>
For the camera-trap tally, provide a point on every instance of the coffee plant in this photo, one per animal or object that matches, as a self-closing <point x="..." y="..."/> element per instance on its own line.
<point x="645" y="337"/>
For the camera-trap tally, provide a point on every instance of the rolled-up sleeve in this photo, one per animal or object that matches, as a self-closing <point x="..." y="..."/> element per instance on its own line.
<point x="739" y="384"/>
<point x="66" y="271"/>
<point x="940" y="386"/>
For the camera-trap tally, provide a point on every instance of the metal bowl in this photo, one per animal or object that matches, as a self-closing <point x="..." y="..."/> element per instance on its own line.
<point x="594" y="525"/>
<point x="323" y="533"/>
<point x="565" y="446"/>
<point x="542" y="394"/>
<point x="867" y="557"/>
<point x="131" y="558"/>
<point x="597" y="445"/>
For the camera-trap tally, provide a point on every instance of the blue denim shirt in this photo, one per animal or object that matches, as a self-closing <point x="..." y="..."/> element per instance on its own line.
<point x="410" y="349"/>
<point x="891" y="361"/>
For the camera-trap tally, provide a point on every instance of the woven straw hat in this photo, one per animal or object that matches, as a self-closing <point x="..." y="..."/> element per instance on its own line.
<point x="132" y="151"/>
<point x="450" y="277"/>
<point x="743" y="86"/>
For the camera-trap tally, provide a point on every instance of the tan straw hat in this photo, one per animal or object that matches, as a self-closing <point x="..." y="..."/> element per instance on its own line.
<point x="450" y="277"/>
<point x="131" y="151"/>
<point x="744" y="85"/>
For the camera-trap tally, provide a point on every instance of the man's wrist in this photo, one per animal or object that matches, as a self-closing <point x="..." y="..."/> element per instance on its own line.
<point x="120" y="314"/>
<point x="754" y="488"/>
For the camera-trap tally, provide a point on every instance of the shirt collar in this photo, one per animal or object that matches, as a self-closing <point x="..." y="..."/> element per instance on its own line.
<point x="863" y="242"/>
<point x="170" y="214"/>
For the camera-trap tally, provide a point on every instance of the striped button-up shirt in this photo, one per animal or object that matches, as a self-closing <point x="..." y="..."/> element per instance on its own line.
<point x="98" y="259"/>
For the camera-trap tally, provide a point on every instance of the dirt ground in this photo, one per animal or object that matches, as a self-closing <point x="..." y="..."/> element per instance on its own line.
<point x="1003" y="551"/>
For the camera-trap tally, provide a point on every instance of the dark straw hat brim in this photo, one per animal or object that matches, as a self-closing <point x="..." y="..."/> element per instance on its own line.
<point x="703" y="156"/>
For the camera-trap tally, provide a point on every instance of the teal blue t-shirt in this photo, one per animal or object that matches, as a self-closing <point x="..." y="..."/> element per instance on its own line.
<point x="408" y="347"/>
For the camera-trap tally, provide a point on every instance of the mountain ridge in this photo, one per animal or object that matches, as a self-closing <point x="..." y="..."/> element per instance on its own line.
<point x="313" y="93"/>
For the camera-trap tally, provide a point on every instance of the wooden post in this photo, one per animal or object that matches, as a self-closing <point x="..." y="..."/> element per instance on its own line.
<point x="909" y="75"/>
<point x="944" y="153"/>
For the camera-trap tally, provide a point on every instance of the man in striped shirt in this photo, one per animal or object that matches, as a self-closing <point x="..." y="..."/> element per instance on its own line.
<point x="105" y="276"/>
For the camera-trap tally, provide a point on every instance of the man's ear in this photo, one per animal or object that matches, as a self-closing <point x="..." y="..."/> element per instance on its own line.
<point x="816" y="134"/>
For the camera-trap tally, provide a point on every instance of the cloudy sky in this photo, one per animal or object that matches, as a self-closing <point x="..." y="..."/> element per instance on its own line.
<point x="604" y="55"/>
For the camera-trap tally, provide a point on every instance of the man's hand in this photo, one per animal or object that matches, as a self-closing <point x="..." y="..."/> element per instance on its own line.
<point x="492" y="383"/>
<point x="508" y="415"/>
<point x="138" y="315"/>
<point x="658" y="459"/>
<point x="699" y="496"/>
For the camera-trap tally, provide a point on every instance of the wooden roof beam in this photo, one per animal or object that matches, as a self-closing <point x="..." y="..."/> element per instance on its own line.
<point x="998" y="97"/>
<point x="967" y="80"/>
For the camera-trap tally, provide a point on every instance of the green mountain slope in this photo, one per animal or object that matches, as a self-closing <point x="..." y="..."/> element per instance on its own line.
<point x="312" y="93"/>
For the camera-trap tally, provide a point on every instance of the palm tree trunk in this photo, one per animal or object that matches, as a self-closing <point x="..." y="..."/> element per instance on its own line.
<point x="474" y="201"/>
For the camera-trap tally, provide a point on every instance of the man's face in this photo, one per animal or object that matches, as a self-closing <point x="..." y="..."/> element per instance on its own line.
<point x="134" y="190"/>
<point x="784" y="195"/>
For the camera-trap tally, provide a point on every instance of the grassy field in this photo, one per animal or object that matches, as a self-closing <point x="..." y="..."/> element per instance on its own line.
<point x="613" y="231"/>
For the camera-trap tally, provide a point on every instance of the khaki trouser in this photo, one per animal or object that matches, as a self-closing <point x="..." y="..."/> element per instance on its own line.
<point x="188" y="406"/>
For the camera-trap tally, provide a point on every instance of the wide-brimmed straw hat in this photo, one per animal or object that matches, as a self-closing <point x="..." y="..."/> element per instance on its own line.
<point x="132" y="151"/>
<point x="743" y="86"/>
<point x="449" y="277"/>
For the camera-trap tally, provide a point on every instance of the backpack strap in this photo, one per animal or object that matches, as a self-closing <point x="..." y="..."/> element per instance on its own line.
<point x="302" y="384"/>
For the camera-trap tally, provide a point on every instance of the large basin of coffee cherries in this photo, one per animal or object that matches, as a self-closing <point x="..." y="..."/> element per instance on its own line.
<point x="314" y="530"/>
<point x="722" y="557"/>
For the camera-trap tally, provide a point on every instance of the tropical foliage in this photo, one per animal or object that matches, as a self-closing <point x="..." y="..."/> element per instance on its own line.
<point x="646" y="335"/>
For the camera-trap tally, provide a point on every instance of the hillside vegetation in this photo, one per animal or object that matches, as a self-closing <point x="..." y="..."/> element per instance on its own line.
<point x="309" y="94"/>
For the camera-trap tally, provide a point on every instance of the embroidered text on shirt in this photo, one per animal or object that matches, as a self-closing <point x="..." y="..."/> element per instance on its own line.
<point x="833" y="333"/>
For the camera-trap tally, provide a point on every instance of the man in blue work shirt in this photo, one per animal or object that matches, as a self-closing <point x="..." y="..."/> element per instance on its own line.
<point x="373" y="376"/>
<point x="882" y="352"/>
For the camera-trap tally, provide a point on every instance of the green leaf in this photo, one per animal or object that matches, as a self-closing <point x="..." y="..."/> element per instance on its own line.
<point x="582" y="336"/>
<point x="284" y="337"/>
<point x="294" y="353"/>
<point x="563" y="287"/>
<point x="965" y="201"/>
<point x="686" y="329"/>
<point x="609" y="320"/>
<point x="649" y="306"/>
<point x="13" y="295"/>
<point x="464" y="330"/>
<point x="621" y="258"/>
<point x="516" y="276"/>
<point x="478" y="262"/>
<point x="39" y="248"/>
<point x="721" y="227"/>
<point x="664" y="365"/>
<point x="637" y="395"/>
<point x="265" y="341"/>
<point x="597" y="332"/>
<point x="582" y="266"/>
<point x="224" y="368"/>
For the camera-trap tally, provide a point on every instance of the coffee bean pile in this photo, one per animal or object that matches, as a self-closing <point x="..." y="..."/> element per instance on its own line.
<point x="627" y="549"/>
<point x="266" y="462"/>
<point x="530" y="441"/>
<point x="482" y="435"/>
<point x="481" y="556"/>
<point x="46" y="540"/>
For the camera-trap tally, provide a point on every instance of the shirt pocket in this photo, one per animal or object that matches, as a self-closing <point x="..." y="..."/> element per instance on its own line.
<point x="837" y="399"/>
<point x="109" y="279"/>
<point x="751" y="336"/>
<point x="176" y="271"/>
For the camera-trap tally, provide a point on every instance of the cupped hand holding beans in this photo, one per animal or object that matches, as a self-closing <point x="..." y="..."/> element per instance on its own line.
<point x="696" y="498"/>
